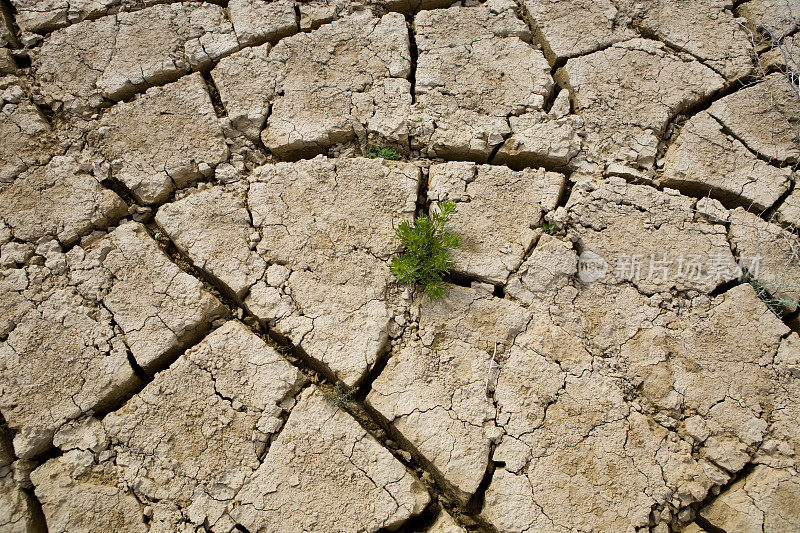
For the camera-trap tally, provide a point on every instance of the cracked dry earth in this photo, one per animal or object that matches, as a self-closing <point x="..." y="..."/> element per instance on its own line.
<point x="198" y="326"/>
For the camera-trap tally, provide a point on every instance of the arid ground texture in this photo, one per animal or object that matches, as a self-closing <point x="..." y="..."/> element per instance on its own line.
<point x="199" y="330"/>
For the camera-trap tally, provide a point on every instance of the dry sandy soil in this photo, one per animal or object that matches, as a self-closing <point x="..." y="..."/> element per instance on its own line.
<point x="198" y="326"/>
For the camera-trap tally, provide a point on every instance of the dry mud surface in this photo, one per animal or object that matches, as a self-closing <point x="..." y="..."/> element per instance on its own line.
<point x="199" y="330"/>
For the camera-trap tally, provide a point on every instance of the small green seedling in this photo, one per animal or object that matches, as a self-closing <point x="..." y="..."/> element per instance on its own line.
<point x="426" y="258"/>
<point x="340" y="396"/>
<point x="550" y="229"/>
<point x="383" y="152"/>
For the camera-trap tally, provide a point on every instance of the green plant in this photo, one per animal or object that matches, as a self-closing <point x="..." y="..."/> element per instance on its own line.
<point x="340" y="396"/>
<point x="426" y="256"/>
<point x="550" y="229"/>
<point x="383" y="152"/>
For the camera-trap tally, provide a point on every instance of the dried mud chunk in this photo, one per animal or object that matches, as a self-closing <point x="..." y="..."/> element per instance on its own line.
<point x="715" y="364"/>
<point x="160" y="43"/>
<point x="74" y="321"/>
<point x="246" y="83"/>
<point x="765" y="117"/>
<point x="213" y="228"/>
<point x="476" y="68"/>
<point x="548" y="269"/>
<point x="779" y="16"/>
<point x="324" y="472"/>
<point x="27" y="139"/>
<point x="590" y="463"/>
<point x="315" y="13"/>
<point x="257" y="21"/>
<point x="330" y="224"/>
<point x="160" y="309"/>
<point x="706" y="29"/>
<point x="556" y="22"/>
<point x="7" y="63"/>
<point x="85" y="501"/>
<point x="337" y="313"/>
<point x="156" y="142"/>
<point x="445" y="524"/>
<point x="765" y="500"/>
<point x="607" y="316"/>
<point x="538" y="140"/>
<point x="58" y="200"/>
<point x="777" y="58"/>
<point x="509" y="202"/>
<point x="13" y="305"/>
<point x="650" y="237"/>
<point x="45" y="15"/>
<point x="39" y="15"/>
<point x="628" y="92"/>
<point x="548" y="352"/>
<point x="788" y="211"/>
<point x="195" y="434"/>
<point x="704" y="160"/>
<point x="310" y="211"/>
<point x="769" y="253"/>
<point x="62" y="359"/>
<point x="7" y="37"/>
<point x="339" y="81"/>
<point x="129" y="52"/>
<point x="519" y="501"/>
<point x="254" y="79"/>
<point x="434" y="390"/>
<point x="16" y="507"/>
<point x="70" y="61"/>
<point x="705" y="361"/>
<point x="781" y="448"/>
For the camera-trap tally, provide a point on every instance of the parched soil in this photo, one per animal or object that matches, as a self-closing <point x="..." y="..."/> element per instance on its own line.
<point x="199" y="330"/>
